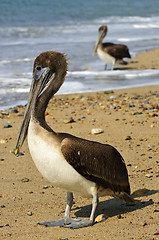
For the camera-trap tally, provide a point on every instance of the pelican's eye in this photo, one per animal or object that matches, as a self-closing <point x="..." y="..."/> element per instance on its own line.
<point x="38" y="72"/>
<point x="38" y="68"/>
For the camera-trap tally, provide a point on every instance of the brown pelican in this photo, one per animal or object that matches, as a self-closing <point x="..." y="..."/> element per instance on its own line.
<point x="109" y="52"/>
<point x="88" y="168"/>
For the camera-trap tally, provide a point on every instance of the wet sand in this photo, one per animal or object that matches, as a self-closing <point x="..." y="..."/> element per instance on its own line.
<point x="145" y="60"/>
<point x="130" y="121"/>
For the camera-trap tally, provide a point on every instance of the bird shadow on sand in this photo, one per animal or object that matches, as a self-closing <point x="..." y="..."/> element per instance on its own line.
<point x="124" y="68"/>
<point x="128" y="66"/>
<point x="113" y="207"/>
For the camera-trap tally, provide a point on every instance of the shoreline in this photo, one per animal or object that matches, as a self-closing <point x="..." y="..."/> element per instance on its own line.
<point x="87" y="92"/>
<point x="146" y="60"/>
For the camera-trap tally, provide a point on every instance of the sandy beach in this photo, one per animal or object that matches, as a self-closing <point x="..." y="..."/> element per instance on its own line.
<point x="129" y="119"/>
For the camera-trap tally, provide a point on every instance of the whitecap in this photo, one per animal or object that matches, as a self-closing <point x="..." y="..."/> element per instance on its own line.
<point x="18" y="60"/>
<point x="144" y="26"/>
<point x="123" y="73"/>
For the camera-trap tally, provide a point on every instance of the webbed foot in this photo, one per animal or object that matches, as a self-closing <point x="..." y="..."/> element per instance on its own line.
<point x="59" y="222"/>
<point x="79" y="224"/>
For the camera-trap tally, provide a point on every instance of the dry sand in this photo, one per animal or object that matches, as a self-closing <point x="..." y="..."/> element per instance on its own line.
<point x="130" y="121"/>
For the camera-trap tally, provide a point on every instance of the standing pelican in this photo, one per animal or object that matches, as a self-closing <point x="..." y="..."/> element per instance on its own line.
<point x="77" y="165"/>
<point x="109" y="52"/>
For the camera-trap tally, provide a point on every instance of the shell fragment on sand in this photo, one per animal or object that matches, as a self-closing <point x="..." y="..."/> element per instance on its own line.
<point x="96" y="131"/>
<point x="100" y="218"/>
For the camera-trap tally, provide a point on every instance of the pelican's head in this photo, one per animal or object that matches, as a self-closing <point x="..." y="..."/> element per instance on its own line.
<point x="102" y="31"/>
<point x="49" y="72"/>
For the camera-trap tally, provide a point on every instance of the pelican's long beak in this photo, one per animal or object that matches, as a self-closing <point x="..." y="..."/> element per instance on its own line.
<point x="97" y="42"/>
<point x="37" y="87"/>
<point x="26" y="120"/>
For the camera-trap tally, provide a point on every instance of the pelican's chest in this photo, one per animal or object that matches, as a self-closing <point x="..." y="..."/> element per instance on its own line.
<point x="44" y="150"/>
<point x="46" y="153"/>
<point x="104" y="56"/>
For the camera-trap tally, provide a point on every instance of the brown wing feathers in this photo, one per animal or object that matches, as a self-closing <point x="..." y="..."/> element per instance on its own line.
<point x="119" y="51"/>
<point x="100" y="163"/>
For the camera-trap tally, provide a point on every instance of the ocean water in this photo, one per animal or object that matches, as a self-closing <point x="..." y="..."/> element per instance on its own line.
<point x="29" y="27"/>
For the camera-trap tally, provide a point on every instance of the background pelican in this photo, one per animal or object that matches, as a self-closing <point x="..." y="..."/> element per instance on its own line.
<point x="110" y="52"/>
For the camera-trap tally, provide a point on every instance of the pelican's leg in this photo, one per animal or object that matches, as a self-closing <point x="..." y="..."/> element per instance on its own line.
<point x="85" y="222"/>
<point x="66" y="219"/>
<point x="113" y="63"/>
<point x="105" y="67"/>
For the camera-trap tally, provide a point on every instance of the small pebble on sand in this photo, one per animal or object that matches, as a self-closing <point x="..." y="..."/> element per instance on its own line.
<point x="7" y="125"/>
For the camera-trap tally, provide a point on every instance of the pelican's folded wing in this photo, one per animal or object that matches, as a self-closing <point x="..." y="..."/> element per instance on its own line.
<point x="100" y="163"/>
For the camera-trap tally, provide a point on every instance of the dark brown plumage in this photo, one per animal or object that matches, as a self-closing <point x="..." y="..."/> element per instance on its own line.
<point x="100" y="163"/>
<point x="56" y="61"/>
